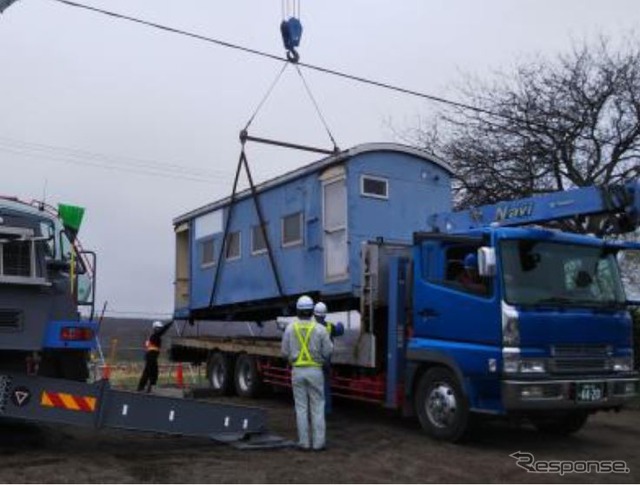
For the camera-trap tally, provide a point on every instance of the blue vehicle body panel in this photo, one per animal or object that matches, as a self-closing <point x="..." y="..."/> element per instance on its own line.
<point x="539" y="328"/>
<point x="53" y="332"/>
<point x="471" y="359"/>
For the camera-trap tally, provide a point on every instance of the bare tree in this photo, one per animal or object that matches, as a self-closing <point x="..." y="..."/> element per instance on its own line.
<point x="551" y="124"/>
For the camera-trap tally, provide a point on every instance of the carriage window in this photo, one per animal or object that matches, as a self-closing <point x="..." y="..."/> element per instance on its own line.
<point x="258" y="243"/>
<point x="232" y="250"/>
<point x="207" y="255"/>
<point x="374" y="187"/>
<point x="292" y="230"/>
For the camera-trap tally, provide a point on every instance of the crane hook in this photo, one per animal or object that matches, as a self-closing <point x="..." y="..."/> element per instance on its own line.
<point x="291" y="30"/>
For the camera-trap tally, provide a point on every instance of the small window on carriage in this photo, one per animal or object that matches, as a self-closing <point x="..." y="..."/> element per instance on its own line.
<point x="376" y="187"/>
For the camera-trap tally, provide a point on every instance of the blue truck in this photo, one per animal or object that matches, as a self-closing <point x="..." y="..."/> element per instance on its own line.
<point x="542" y="332"/>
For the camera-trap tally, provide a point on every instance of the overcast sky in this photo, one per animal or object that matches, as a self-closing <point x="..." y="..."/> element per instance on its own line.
<point x="87" y="102"/>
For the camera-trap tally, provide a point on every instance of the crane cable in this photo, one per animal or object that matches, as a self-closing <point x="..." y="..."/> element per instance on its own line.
<point x="332" y="72"/>
<point x="267" y="55"/>
<point x="315" y="104"/>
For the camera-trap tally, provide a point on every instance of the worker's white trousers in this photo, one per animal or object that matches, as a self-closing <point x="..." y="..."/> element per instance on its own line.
<point x="308" y="393"/>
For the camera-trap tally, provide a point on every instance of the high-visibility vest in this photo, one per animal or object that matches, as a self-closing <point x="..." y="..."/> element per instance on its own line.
<point x="150" y="346"/>
<point x="330" y="328"/>
<point x="304" y="357"/>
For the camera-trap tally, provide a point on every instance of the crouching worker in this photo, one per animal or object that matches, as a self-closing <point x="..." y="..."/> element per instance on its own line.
<point x="153" y="344"/>
<point x="307" y="347"/>
<point x="334" y="330"/>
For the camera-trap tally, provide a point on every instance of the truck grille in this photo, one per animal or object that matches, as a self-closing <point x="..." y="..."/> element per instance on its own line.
<point x="10" y="319"/>
<point x="580" y="358"/>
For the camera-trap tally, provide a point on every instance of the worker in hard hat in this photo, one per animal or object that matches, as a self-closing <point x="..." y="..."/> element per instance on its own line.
<point x="307" y="346"/>
<point x="334" y="330"/>
<point x="470" y="278"/>
<point x="152" y="346"/>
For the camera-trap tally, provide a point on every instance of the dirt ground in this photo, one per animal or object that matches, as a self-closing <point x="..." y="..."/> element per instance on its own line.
<point x="366" y="444"/>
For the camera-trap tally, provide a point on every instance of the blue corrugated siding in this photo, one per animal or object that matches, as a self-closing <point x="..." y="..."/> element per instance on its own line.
<point x="416" y="188"/>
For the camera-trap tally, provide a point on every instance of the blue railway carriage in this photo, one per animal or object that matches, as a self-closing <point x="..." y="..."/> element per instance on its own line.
<point x="316" y="220"/>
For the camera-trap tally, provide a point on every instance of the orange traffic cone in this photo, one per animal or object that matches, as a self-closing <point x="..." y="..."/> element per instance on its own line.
<point x="106" y="371"/>
<point x="179" y="375"/>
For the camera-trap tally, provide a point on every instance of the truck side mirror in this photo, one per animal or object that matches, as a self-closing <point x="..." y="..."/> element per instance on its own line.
<point x="486" y="261"/>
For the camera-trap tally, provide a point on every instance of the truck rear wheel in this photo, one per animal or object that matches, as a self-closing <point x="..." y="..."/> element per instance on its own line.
<point x="561" y="424"/>
<point x="441" y="405"/>
<point x="248" y="382"/>
<point x="219" y="372"/>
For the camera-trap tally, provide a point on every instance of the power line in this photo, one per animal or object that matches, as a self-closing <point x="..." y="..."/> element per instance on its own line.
<point x="111" y="159"/>
<point x="107" y="162"/>
<point x="267" y="55"/>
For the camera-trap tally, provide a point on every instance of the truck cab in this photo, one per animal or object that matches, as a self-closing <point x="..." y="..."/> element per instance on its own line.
<point x="44" y="278"/>
<point x="543" y="332"/>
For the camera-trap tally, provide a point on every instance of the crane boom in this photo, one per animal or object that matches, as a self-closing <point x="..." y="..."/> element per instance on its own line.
<point x="620" y="202"/>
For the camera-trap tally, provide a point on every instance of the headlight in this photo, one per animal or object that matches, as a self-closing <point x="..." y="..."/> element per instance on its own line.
<point x="512" y="363"/>
<point x="530" y="366"/>
<point x="510" y="326"/>
<point x="510" y="360"/>
<point x="622" y="364"/>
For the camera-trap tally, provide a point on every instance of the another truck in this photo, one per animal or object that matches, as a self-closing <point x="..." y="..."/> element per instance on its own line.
<point x="44" y="278"/>
<point x="44" y="340"/>
<point x="545" y="334"/>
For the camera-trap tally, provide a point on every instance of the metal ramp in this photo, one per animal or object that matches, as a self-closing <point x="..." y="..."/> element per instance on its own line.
<point x="47" y="400"/>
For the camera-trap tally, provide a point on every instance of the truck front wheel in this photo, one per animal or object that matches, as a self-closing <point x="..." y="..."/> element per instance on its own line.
<point x="561" y="424"/>
<point x="441" y="406"/>
<point x="219" y="372"/>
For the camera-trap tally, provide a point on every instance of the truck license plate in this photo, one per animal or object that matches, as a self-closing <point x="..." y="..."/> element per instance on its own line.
<point x="589" y="392"/>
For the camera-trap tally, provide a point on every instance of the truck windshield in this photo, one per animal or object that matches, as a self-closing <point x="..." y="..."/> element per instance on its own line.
<point x="539" y="273"/>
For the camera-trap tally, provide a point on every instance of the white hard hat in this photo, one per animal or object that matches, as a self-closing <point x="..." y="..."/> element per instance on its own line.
<point x="320" y="310"/>
<point x="304" y="303"/>
<point x="157" y="324"/>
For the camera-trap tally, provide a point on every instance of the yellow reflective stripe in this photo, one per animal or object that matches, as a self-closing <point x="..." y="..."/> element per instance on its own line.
<point x="46" y="400"/>
<point x="304" y="357"/>
<point x="69" y="401"/>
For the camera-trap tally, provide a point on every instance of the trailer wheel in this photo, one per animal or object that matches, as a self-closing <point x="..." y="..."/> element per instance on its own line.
<point x="248" y="381"/>
<point x="219" y="372"/>
<point x="561" y="424"/>
<point x="441" y="405"/>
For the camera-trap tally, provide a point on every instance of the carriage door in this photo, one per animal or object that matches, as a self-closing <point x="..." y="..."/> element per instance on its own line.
<point x="182" y="266"/>
<point x="334" y="224"/>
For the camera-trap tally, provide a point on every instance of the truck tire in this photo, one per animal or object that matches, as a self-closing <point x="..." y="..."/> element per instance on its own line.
<point x="442" y="407"/>
<point x="248" y="381"/>
<point x="561" y="424"/>
<point x="220" y="372"/>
